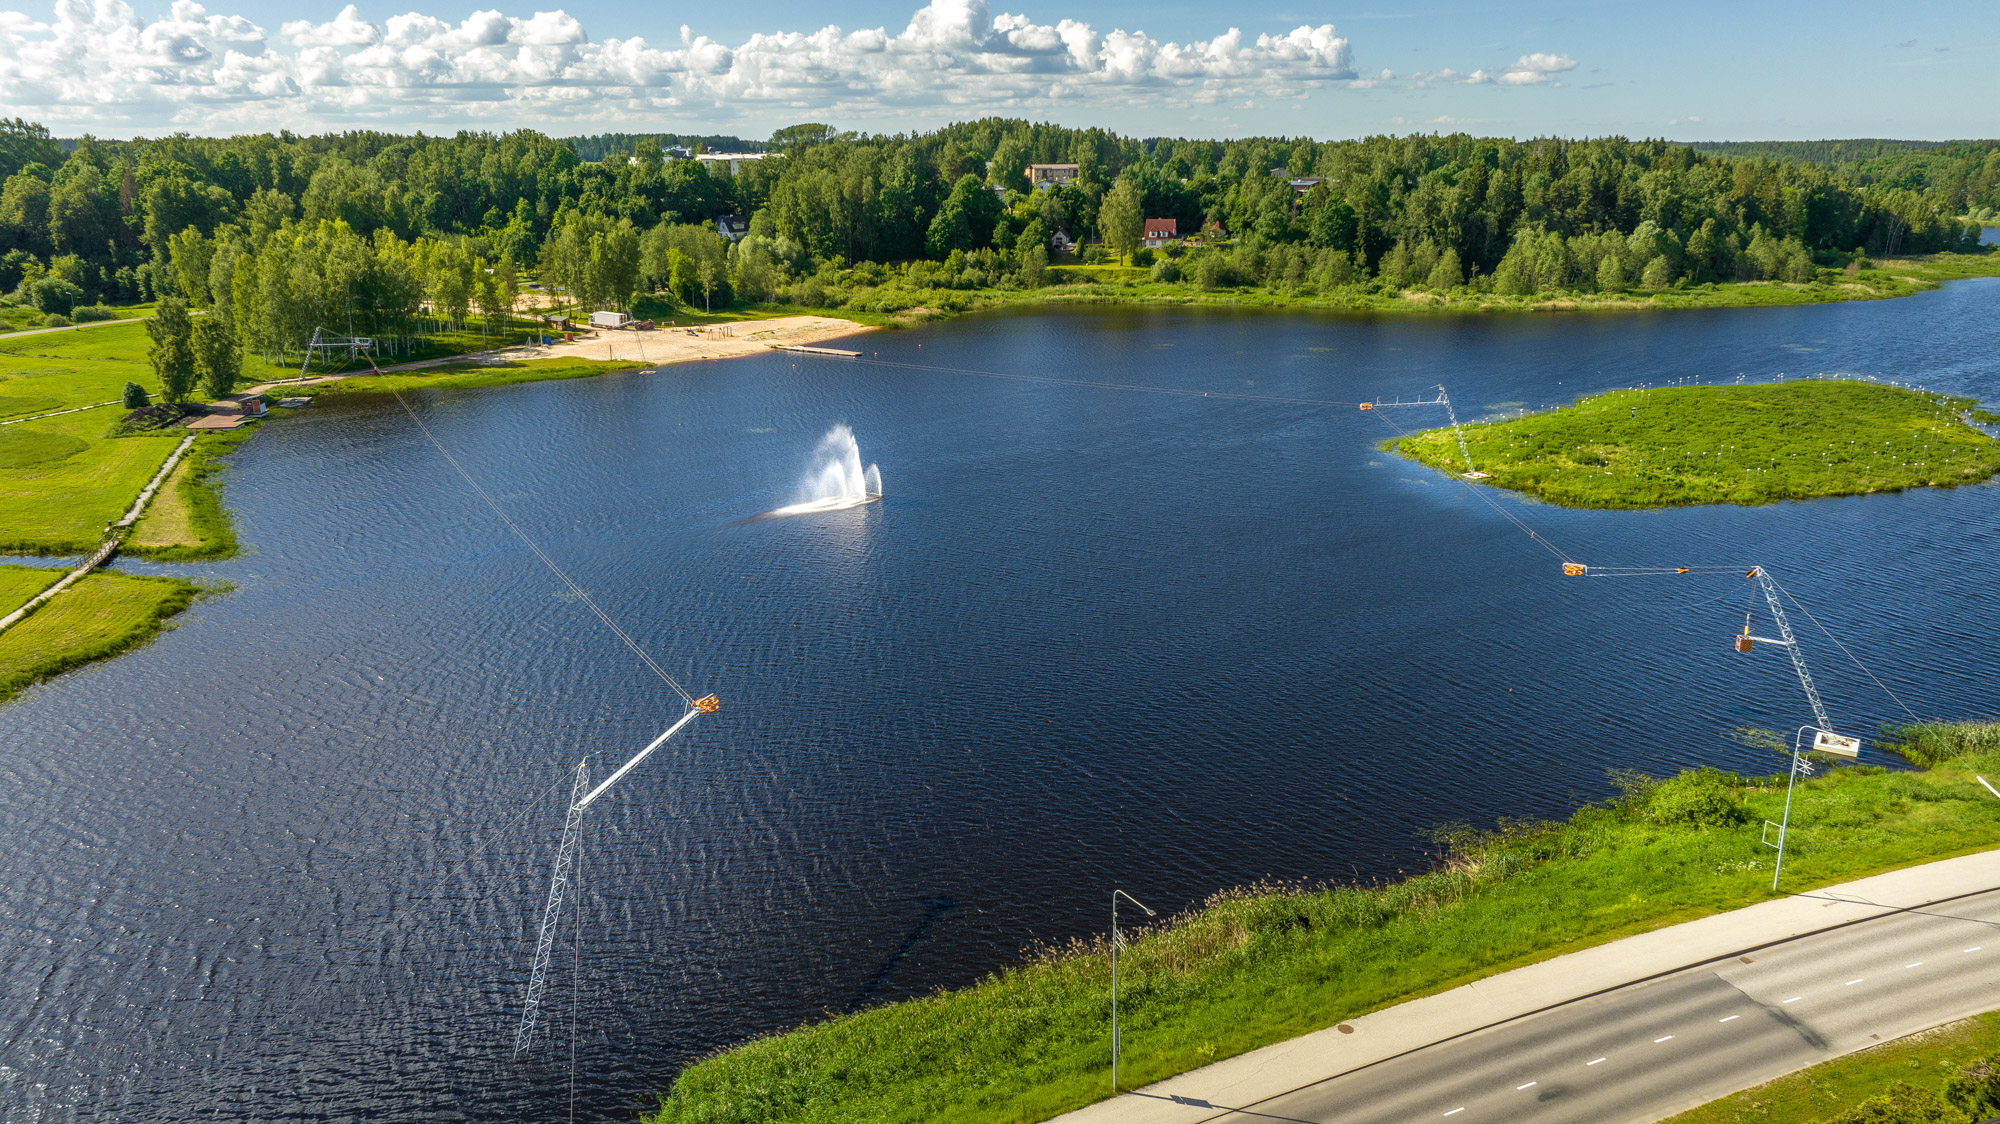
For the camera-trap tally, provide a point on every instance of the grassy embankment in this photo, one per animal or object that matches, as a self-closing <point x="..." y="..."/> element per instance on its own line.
<point x="100" y="616"/>
<point x="1725" y="444"/>
<point x="857" y="294"/>
<point x="1263" y="964"/>
<point x="479" y="374"/>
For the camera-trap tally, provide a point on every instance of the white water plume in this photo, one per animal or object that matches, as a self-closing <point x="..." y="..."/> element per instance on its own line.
<point x="836" y="481"/>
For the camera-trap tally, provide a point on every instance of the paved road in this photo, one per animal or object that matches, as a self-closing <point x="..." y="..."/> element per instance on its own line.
<point x="1649" y="1050"/>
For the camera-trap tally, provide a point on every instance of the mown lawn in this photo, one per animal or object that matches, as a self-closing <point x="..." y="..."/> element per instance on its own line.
<point x="187" y="519"/>
<point x="1724" y="444"/>
<point x="100" y="616"/>
<point x="19" y="583"/>
<point x="62" y="480"/>
<point x="1261" y="965"/>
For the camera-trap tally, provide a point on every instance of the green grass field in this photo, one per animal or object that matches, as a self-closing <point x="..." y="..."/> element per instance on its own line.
<point x="62" y="480"/>
<point x="187" y="520"/>
<point x="1924" y="1060"/>
<point x="100" y="616"/>
<point x="1264" y="964"/>
<point x="1724" y="444"/>
<point x="19" y="583"/>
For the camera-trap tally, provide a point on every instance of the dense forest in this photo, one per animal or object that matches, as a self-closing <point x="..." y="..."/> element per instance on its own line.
<point x="1968" y="171"/>
<point x="396" y="236"/>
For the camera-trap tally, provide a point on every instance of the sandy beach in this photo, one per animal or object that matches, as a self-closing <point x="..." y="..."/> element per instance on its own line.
<point x="660" y="347"/>
<point x="671" y="345"/>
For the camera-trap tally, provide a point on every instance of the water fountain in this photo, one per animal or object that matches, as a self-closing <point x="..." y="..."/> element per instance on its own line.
<point x="836" y="481"/>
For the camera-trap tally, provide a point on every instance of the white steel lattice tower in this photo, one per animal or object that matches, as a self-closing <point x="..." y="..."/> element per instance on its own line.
<point x="558" y="885"/>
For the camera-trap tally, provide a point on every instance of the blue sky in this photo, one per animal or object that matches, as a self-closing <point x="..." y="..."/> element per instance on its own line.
<point x="1173" y="67"/>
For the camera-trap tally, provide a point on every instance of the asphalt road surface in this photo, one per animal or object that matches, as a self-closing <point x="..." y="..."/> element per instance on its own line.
<point x="1652" y="1049"/>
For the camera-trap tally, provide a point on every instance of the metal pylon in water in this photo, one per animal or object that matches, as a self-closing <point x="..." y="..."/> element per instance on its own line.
<point x="538" y="978"/>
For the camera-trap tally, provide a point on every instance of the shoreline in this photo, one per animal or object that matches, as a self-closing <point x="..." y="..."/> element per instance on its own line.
<point x="1887" y="279"/>
<point x="661" y="347"/>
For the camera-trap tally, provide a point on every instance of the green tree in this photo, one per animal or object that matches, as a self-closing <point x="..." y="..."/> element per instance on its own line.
<point x="1396" y="266"/>
<point x="172" y="353"/>
<point x="1446" y="274"/>
<point x="218" y="357"/>
<point x="135" y="397"/>
<point x="1610" y="275"/>
<point x="1121" y="218"/>
<point x="191" y="257"/>
<point x="1658" y="274"/>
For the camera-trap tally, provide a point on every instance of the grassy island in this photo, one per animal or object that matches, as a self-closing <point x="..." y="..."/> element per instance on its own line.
<point x="1726" y="444"/>
<point x="1262" y="964"/>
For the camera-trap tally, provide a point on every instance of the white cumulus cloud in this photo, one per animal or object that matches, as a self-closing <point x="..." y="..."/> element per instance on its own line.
<point x="98" y="65"/>
<point x="1529" y="70"/>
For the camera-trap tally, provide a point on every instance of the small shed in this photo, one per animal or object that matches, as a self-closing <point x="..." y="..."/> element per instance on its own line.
<point x="613" y="320"/>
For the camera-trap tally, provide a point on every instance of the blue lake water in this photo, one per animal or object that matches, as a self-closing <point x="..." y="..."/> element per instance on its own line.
<point x="285" y="862"/>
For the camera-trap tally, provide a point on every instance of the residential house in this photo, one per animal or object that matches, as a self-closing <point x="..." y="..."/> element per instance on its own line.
<point x="1303" y="184"/>
<point x="732" y="227"/>
<point x="1044" y="176"/>
<point x="1160" y="232"/>
<point x="1060" y="241"/>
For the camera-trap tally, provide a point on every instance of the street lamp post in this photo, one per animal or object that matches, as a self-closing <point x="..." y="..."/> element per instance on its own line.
<point x="1798" y="742"/>
<point x="1117" y="940"/>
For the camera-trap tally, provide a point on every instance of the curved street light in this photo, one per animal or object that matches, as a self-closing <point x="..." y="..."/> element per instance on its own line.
<point x="1117" y="940"/>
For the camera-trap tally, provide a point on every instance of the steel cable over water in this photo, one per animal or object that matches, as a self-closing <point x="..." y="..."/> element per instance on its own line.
<point x="1535" y="536"/>
<point x="575" y="590"/>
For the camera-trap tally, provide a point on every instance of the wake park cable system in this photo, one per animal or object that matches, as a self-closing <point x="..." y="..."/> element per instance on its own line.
<point x="1571" y="565"/>
<point x="582" y="794"/>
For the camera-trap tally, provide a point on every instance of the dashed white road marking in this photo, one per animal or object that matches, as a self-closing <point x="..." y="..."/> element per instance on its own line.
<point x="1530" y="1084"/>
<point x="1795" y="999"/>
<point x="1456" y="1111"/>
<point x="1974" y="948"/>
<point x="1730" y="1019"/>
<point x="1593" y="1063"/>
<point x="1851" y="983"/>
<point x="1918" y="964"/>
<point x="1657" y="1041"/>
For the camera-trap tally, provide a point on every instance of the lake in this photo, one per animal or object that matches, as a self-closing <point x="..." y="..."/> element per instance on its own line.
<point x="285" y="863"/>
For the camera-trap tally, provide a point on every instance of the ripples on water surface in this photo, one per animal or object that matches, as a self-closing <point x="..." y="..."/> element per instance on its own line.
<point x="283" y="864"/>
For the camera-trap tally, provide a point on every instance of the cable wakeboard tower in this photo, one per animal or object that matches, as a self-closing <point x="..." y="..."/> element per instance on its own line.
<point x="581" y="796"/>
<point x="1444" y="400"/>
<point x="1824" y="738"/>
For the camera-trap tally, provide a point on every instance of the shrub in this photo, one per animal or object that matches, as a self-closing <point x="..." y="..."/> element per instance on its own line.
<point x="1901" y="1104"/>
<point x="1697" y="798"/>
<point x="135" y="397"/>
<point x="57" y="320"/>
<point x="1166" y="270"/>
<point x="1975" y="1090"/>
<point x="53" y="294"/>
<point x="88" y="313"/>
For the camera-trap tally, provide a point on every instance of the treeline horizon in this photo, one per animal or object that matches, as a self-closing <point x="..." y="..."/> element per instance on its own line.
<point x="124" y="221"/>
